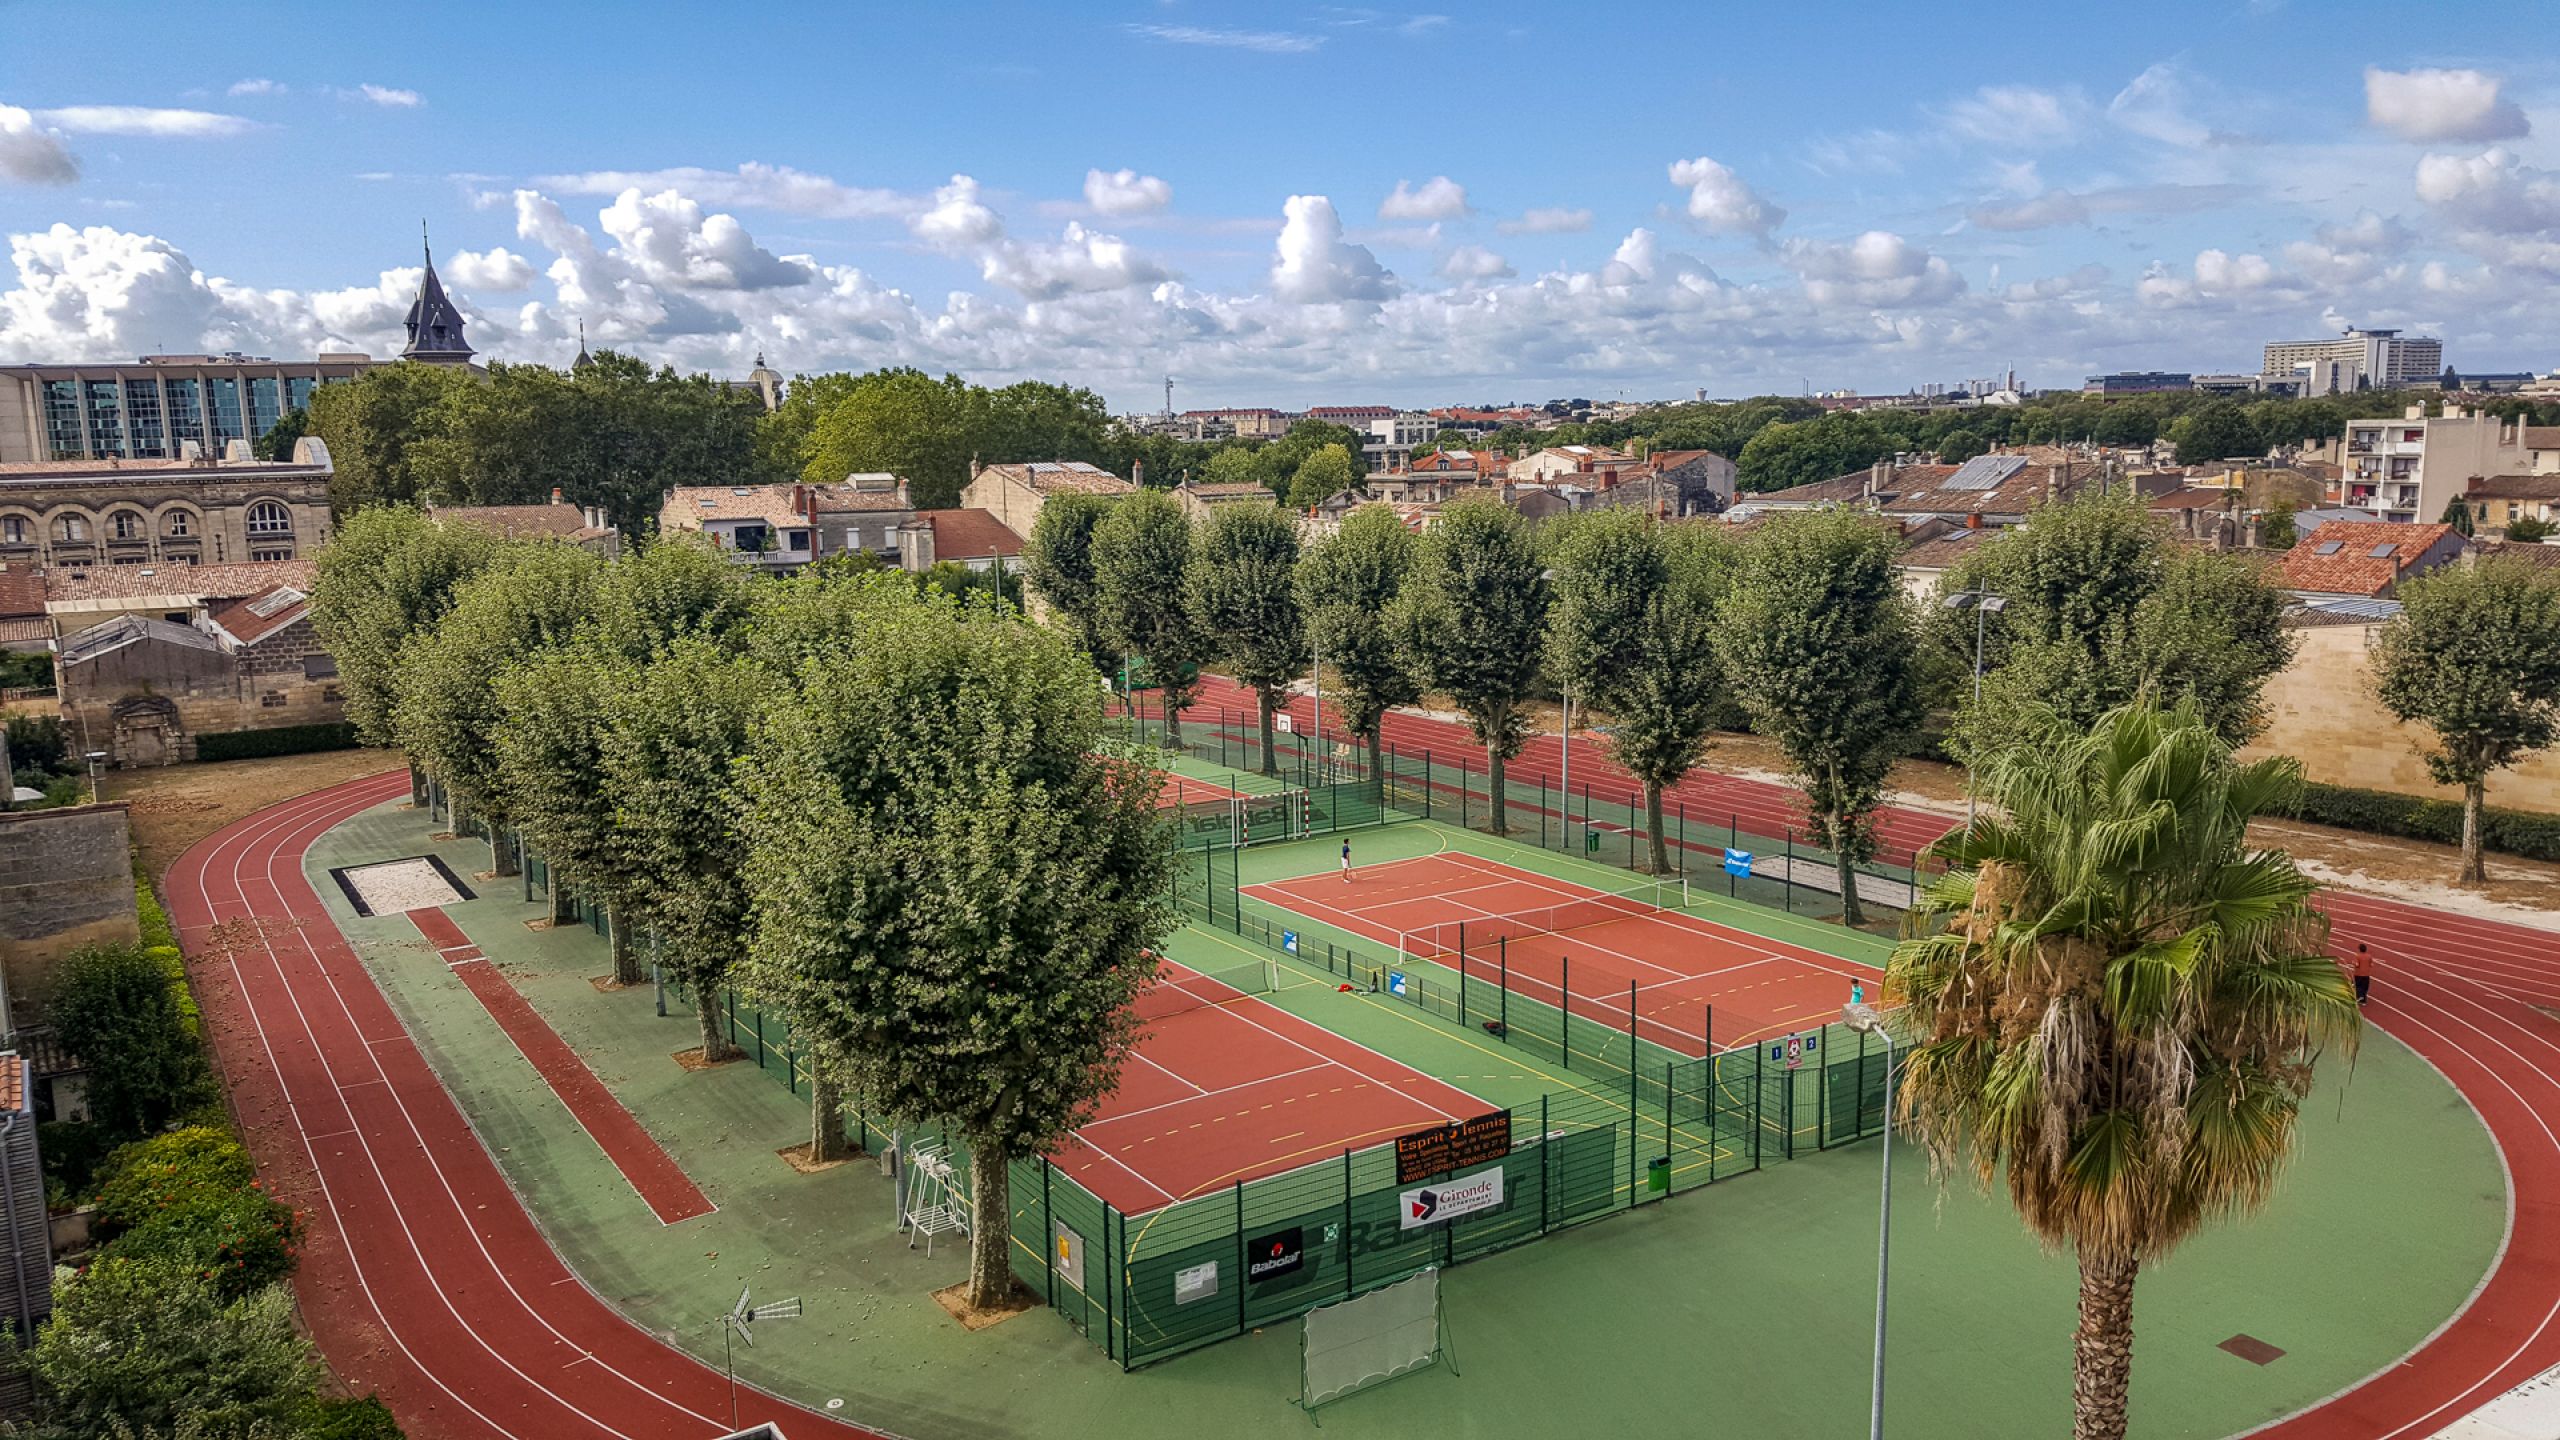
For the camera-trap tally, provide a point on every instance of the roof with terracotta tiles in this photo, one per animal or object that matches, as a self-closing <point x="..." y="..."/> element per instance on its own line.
<point x="688" y="506"/>
<point x="263" y="614"/>
<point x="210" y="585"/>
<point x="2515" y="487"/>
<point x="1049" y="477"/>
<point x="2546" y="557"/>
<point x="2349" y="565"/>
<point x="13" y="1081"/>
<point x="522" y="522"/>
<point x="21" y="591"/>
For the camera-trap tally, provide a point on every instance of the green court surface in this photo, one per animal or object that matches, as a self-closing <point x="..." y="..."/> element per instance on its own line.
<point x="1744" y="1307"/>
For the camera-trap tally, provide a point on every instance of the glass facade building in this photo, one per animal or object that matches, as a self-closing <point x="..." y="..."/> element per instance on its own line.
<point x="149" y="409"/>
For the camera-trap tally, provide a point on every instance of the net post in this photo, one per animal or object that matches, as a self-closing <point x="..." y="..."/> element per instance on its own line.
<point x="1546" y="1167"/>
<point x="1635" y="1140"/>
<point x="1048" y="1238"/>
<point x="1707" y="1030"/>
<point x="1350" y="1284"/>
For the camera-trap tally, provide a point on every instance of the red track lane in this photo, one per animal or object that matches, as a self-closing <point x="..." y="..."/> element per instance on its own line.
<point x="653" y="1173"/>
<point x="424" y="1278"/>
<point x="1239" y="1090"/>
<point x="1678" y="964"/>
<point x="2455" y="988"/>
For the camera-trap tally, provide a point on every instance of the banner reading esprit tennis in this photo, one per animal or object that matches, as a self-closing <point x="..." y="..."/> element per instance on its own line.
<point x="1433" y="1204"/>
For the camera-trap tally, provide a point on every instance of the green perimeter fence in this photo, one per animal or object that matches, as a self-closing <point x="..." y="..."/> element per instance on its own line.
<point x="1783" y="870"/>
<point x="1146" y="1286"/>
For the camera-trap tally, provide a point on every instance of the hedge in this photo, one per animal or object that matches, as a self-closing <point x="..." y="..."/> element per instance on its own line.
<point x="191" y="1197"/>
<point x="282" y="740"/>
<point x="2380" y="812"/>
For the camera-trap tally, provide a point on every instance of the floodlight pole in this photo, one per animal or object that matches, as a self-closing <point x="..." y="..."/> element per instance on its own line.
<point x="1863" y="1018"/>
<point x="1551" y="576"/>
<point x="1982" y="603"/>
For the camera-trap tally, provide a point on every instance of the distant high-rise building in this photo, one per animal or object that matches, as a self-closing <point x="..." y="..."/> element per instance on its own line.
<point x="2357" y="360"/>
<point x="149" y="409"/>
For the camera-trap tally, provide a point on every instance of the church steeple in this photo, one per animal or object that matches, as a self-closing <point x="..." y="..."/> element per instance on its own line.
<point x="435" y="326"/>
<point x="584" y="361"/>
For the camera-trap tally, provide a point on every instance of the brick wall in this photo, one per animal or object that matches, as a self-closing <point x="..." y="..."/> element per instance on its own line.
<point x="66" y="880"/>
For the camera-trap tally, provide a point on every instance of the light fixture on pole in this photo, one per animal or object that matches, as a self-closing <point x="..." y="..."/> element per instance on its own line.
<point x="1981" y="603"/>
<point x="739" y="1324"/>
<point x="1865" y="1020"/>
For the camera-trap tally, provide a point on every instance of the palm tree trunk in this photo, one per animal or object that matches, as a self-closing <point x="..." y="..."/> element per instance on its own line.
<point x="826" y="1115"/>
<point x="1653" y="828"/>
<point x="716" y="1044"/>
<point x="2102" y="1348"/>
<point x="627" y="969"/>
<point x="1270" y="761"/>
<point x="2474" y="872"/>
<point x="990" y="1229"/>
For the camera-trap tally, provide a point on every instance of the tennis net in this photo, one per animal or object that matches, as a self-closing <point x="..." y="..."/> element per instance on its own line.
<point x="1476" y="934"/>
<point x="1180" y="991"/>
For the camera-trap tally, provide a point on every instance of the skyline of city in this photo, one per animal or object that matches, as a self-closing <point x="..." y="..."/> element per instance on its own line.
<point x="1077" y="197"/>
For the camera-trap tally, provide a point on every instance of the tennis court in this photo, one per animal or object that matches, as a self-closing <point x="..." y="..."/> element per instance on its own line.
<point x="1224" y="1088"/>
<point x="1693" y="985"/>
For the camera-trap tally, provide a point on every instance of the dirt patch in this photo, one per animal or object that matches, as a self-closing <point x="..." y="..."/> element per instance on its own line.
<point x="692" y="1060"/>
<point x="543" y="923"/>
<point x="607" y="985"/>
<point x="954" y="1300"/>
<point x="178" y="805"/>
<point x="797" y="1157"/>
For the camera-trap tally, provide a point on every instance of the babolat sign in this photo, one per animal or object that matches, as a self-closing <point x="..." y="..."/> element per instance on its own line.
<point x="1435" y="1204"/>
<point x="1272" y="1256"/>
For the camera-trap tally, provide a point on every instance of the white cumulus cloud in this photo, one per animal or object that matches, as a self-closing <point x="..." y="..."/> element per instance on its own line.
<point x="1879" y="269"/>
<point x="1438" y="198"/>
<point x="388" y="97"/>
<point x="751" y="186"/>
<point x="497" y="268"/>
<point x="1316" y="265"/>
<point x="101" y="294"/>
<point x="144" y="120"/>
<point x="958" y="219"/>
<point x="1125" y="192"/>
<point x="1721" y="203"/>
<point x="1474" y="262"/>
<point x="2493" y="191"/>
<point x="2429" y="106"/>
<point x="1551" y="220"/>
<point x="31" y="155"/>
<point x="668" y="239"/>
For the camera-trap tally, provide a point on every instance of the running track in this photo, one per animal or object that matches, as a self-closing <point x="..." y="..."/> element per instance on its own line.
<point x="2460" y="991"/>
<point x="343" y="1112"/>
<point x="423" y="1277"/>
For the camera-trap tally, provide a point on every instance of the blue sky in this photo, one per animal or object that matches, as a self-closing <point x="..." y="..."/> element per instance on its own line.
<point x="1321" y="203"/>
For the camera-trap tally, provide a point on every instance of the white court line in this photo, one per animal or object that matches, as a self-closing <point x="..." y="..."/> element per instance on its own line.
<point x="1203" y="1095"/>
<point x="1177" y="1076"/>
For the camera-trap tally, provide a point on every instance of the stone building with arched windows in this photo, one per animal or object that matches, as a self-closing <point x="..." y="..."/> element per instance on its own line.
<point x="75" y="515"/>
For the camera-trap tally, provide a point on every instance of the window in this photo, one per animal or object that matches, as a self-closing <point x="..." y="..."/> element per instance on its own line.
<point x="272" y="700"/>
<point x="127" y="525"/>
<point x="795" y="539"/>
<point x="142" y="417"/>
<point x="13" y="530"/>
<point x="62" y="427"/>
<point x="71" y="530"/>
<point x="269" y="518"/>
<point x="319" y="667"/>
<point x="2381" y="552"/>
<point x="2328" y="547"/>
<point x="271" y="554"/>
<point x="106" y="417"/>
<point x="178" y="525"/>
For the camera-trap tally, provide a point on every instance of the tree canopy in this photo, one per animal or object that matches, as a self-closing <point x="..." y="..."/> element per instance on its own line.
<point x="2474" y="655"/>
<point x="387" y="574"/>
<point x="1244" y="596"/>
<point x="1472" y="619"/>
<point x="1141" y="564"/>
<point x="1347" y="585"/>
<point x="955" y="895"/>
<point x="1817" y="642"/>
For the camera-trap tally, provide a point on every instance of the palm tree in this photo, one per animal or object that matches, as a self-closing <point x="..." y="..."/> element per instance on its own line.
<point x="2120" y="1007"/>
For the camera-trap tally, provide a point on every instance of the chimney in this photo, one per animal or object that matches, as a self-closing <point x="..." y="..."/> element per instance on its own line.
<point x="555" y="496"/>
<point x="1878" y="475"/>
<point x="804" y="503"/>
<point x="1138" y="473"/>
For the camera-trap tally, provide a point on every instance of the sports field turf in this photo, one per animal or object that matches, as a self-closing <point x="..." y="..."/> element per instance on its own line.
<point x="1741" y="1308"/>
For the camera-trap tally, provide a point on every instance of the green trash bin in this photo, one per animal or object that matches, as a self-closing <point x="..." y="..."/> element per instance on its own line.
<point x="1657" y="1176"/>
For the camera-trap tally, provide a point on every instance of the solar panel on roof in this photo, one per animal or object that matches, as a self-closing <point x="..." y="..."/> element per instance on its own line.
<point x="1985" y="472"/>
<point x="2328" y="547"/>
<point x="266" y="606"/>
<point x="2381" y="552"/>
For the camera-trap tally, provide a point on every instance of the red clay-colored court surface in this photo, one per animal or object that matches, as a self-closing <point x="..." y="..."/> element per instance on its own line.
<point x="1234" y="1089"/>
<point x="1678" y="964"/>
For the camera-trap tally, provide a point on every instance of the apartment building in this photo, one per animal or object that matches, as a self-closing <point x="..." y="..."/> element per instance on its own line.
<point x="2356" y="360"/>
<point x="150" y="409"/>
<point x="2410" y="469"/>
